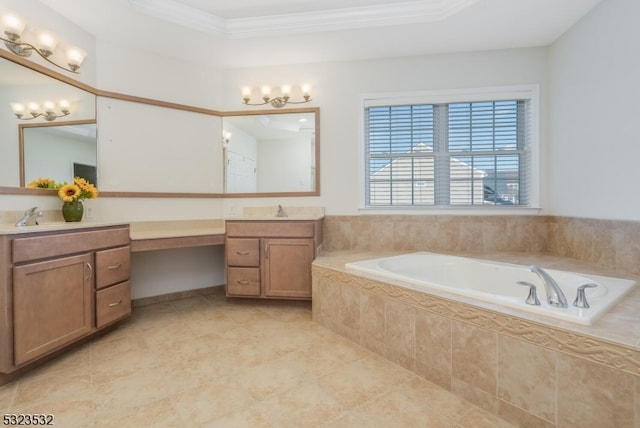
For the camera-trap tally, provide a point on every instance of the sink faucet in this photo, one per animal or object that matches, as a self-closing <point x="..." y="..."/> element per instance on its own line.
<point x="28" y="215"/>
<point x="281" y="212"/>
<point x="555" y="296"/>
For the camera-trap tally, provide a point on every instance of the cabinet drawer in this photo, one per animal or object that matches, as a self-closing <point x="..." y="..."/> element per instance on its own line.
<point x="48" y="245"/>
<point x="243" y="281"/>
<point x="275" y="228"/>
<point x="113" y="303"/>
<point x="112" y="266"/>
<point x="243" y="252"/>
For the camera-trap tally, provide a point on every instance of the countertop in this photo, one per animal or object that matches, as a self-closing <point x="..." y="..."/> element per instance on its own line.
<point x="175" y="228"/>
<point x="10" y="229"/>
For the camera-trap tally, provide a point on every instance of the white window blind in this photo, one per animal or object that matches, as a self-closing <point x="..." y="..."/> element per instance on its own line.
<point x="448" y="154"/>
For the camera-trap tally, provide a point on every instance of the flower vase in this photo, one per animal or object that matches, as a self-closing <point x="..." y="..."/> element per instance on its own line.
<point x="72" y="211"/>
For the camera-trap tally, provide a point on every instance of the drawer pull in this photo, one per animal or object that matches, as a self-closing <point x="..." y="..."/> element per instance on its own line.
<point x="242" y="253"/>
<point x="90" y="270"/>
<point x="111" y="305"/>
<point x="242" y="281"/>
<point x="114" y="267"/>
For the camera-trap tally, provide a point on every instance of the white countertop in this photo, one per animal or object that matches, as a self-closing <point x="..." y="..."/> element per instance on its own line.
<point x="175" y="228"/>
<point x="10" y="229"/>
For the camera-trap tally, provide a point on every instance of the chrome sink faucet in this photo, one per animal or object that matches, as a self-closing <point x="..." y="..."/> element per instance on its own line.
<point x="281" y="212"/>
<point x="555" y="296"/>
<point x="28" y="215"/>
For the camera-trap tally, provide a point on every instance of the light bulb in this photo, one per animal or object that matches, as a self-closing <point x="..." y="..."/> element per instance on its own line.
<point x="33" y="108"/>
<point x="47" y="43"/>
<point x="75" y="57"/>
<point x="18" y="109"/>
<point x="286" y="90"/>
<point x="49" y="107"/>
<point x="13" y="26"/>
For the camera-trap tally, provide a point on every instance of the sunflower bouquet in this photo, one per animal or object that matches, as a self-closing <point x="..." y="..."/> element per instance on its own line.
<point x="78" y="190"/>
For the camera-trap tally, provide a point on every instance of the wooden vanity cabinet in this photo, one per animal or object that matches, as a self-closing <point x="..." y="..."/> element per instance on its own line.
<point x="58" y="287"/>
<point x="271" y="259"/>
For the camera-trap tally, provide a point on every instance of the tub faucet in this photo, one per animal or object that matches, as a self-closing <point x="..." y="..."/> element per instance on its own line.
<point x="555" y="296"/>
<point x="28" y="215"/>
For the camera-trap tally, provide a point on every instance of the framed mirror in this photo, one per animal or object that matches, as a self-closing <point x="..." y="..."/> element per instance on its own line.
<point x="22" y="84"/>
<point x="271" y="153"/>
<point x="59" y="151"/>
<point x="285" y="151"/>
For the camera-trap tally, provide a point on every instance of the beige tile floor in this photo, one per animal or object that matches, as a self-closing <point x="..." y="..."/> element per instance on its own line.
<point x="206" y="362"/>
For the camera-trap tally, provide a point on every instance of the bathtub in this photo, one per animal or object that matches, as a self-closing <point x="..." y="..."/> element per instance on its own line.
<point x="495" y="282"/>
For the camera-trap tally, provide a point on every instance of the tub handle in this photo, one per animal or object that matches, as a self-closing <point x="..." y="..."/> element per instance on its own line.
<point x="581" y="298"/>
<point x="532" y="299"/>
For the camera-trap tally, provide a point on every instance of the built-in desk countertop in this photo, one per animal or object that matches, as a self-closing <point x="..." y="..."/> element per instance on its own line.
<point x="161" y="235"/>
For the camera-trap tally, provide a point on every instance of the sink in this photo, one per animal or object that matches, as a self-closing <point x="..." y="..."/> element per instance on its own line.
<point x="9" y="229"/>
<point x="292" y="213"/>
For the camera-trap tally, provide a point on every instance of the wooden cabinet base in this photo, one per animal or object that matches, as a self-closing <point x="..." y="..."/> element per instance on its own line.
<point x="271" y="259"/>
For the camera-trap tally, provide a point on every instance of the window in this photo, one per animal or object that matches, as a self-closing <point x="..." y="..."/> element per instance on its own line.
<point x="458" y="153"/>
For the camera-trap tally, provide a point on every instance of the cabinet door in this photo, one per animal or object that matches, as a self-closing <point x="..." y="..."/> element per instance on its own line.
<point x="52" y="305"/>
<point x="287" y="268"/>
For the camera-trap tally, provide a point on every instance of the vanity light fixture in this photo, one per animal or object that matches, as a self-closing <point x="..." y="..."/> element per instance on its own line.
<point x="45" y="45"/>
<point x="278" y="101"/>
<point x="226" y="138"/>
<point x="47" y="110"/>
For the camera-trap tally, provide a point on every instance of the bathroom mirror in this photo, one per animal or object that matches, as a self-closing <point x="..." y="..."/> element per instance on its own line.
<point x="271" y="153"/>
<point x="132" y="125"/>
<point x="59" y="151"/>
<point x="22" y="84"/>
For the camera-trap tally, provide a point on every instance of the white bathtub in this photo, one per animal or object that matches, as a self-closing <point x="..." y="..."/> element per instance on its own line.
<point x="495" y="282"/>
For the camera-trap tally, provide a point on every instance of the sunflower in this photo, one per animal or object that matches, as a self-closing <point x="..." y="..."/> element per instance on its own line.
<point x="42" y="183"/>
<point x="69" y="192"/>
<point x="87" y="190"/>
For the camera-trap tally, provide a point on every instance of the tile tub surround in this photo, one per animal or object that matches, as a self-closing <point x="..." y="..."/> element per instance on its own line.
<point x="525" y="369"/>
<point x="610" y="244"/>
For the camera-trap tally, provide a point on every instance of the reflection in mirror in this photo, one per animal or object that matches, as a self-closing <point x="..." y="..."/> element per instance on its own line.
<point x="271" y="153"/>
<point x="59" y="151"/>
<point x="20" y="84"/>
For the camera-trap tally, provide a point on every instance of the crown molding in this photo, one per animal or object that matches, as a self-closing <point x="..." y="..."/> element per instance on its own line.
<point x="409" y="12"/>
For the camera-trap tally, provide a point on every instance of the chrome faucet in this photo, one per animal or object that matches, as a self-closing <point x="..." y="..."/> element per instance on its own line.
<point x="28" y="215"/>
<point x="281" y="212"/>
<point x="555" y="296"/>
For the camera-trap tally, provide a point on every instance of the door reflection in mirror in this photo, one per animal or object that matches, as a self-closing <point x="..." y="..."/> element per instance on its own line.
<point x="270" y="153"/>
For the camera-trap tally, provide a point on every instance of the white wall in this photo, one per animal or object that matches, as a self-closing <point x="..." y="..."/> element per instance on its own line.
<point x="594" y="154"/>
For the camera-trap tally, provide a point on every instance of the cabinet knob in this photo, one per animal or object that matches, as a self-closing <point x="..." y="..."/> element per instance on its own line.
<point x="114" y="267"/>
<point x="111" y="305"/>
<point x="242" y="253"/>
<point x="242" y="281"/>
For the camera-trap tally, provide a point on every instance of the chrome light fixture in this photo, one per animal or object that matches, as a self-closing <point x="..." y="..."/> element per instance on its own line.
<point x="13" y="27"/>
<point x="278" y="101"/>
<point x="47" y="111"/>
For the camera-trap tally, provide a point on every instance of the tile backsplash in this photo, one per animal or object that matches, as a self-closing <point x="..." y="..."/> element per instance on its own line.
<point x="612" y="244"/>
